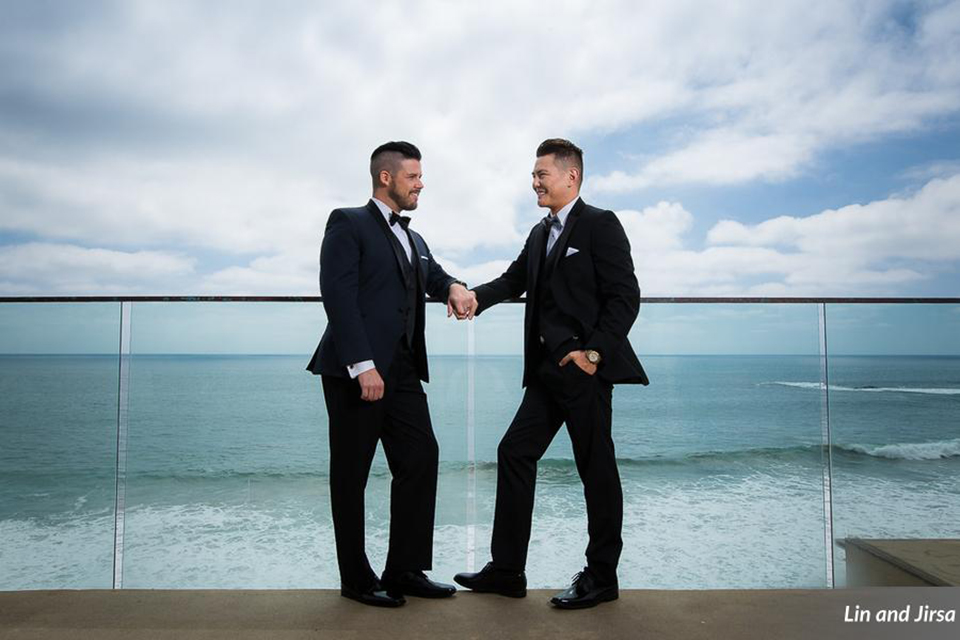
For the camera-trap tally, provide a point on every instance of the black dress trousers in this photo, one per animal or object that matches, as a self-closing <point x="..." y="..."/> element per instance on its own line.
<point x="555" y="396"/>
<point x="401" y="420"/>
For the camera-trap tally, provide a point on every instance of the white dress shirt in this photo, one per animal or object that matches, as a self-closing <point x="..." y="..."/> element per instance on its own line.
<point x="398" y="231"/>
<point x="359" y="367"/>
<point x="562" y="216"/>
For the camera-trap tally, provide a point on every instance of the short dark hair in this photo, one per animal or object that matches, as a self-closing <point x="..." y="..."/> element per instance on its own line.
<point x="564" y="151"/>
<point x="387" y="157"/>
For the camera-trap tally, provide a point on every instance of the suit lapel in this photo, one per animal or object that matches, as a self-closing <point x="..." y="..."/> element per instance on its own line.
<point x="415" y="254"/>
<point x="535" y="256"/>
<point x="561" y="245"/>
<point x="391" y="239"/>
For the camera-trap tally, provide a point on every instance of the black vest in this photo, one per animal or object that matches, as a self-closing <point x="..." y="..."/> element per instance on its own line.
<point x="411" y="280"/>
<point x="553" y="325"/>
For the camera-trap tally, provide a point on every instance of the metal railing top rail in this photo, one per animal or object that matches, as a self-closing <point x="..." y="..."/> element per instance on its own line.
<point x="644" y="300"/>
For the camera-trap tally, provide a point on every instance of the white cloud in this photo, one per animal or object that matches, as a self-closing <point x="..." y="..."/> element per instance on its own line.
<point x="718" y="157"/>
<point x="475" y="274"/>
<point x="278" y="275"/>
<point x="873" y="248"/>
<point x="925" y="226"/>
<point x="859" y="249"/>
<point x="146" y="125"/>
<point x="200" y="123"/>
<point x="931" y="170"/>
<point x="797" y="79"/>
<point x="58" y="269"/>
<point x="657" y="229"/>
<point x="199" y="204"/>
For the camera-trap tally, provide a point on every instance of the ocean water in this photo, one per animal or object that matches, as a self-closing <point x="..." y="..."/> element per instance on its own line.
<point x="720" y="457"/>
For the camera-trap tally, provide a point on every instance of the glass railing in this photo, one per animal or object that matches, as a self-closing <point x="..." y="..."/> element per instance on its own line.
<point x="179" y="443"/>
<point x="894" y="399"/>
<point x="58" y="444"/>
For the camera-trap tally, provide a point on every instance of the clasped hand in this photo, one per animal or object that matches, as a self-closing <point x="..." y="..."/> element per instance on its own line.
<point x="461" y="302"/>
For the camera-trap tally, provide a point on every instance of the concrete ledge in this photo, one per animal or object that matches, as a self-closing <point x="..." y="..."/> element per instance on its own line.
<point x="287" y="615"/>
<point x="910" y="562"/>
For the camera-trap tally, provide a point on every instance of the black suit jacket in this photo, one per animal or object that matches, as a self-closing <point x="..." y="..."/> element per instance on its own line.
<point x="595" y="285"/>
<point x="364" y="292"/>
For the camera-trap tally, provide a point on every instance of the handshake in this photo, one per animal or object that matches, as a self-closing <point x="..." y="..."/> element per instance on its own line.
<point x="461" y="302"/>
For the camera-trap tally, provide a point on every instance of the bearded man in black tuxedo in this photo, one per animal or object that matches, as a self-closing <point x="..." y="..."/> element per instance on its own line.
<point x="582" y="298"/>
<point x="374" y="272"/>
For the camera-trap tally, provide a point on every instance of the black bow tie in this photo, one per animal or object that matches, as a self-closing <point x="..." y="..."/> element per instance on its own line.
<point x="403" y="220"/>
<point x="551" y="220"/>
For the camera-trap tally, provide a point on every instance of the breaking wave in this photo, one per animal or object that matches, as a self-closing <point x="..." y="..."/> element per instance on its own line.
<point x="937" y="391"/>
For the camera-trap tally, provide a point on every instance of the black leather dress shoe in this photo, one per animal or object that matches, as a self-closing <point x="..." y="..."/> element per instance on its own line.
<point x="375" y="596"/>
<point x="493" y="580"/>
<point x="585" y="592"/>
<point x="416" y="583"/>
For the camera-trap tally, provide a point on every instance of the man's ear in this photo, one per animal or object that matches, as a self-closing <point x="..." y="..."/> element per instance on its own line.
<point x="574" y="174"/>
<point x="385" y="178"/>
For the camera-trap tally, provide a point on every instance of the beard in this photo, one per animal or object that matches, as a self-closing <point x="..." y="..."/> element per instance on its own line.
<point x="405" y="202"/>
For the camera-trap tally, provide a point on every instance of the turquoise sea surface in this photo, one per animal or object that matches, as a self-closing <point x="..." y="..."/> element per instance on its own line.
<point x="226" y="487"/>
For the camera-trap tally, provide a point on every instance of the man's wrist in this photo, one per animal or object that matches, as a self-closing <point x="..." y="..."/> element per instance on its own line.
<point x="354" y="370"/>
<point x="450" y="286"/>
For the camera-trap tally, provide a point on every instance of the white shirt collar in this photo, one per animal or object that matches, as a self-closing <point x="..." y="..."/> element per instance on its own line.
<point x="384" y="209"/>
<point x="565" y="211"/>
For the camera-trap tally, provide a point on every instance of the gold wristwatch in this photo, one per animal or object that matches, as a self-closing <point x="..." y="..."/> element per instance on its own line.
<point x="593" y="357"/>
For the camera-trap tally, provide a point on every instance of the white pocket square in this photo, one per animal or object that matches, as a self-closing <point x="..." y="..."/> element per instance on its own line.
<point x="571" y="251"/>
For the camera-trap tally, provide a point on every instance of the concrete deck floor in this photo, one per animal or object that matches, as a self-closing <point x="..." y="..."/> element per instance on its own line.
<point x="288" y="615"/>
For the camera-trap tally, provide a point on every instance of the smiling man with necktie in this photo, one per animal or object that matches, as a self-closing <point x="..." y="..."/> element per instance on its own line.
<point x="374" y="272"/>
<point x="582" y="299"/>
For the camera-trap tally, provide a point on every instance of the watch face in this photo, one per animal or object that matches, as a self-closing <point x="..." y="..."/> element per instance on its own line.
<point x="593" y="357"/>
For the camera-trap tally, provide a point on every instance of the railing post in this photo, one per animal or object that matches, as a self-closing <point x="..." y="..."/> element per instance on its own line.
<point x="123" y="392"/>
<point x="471" y="513"/>
<point x="826" y="439"/>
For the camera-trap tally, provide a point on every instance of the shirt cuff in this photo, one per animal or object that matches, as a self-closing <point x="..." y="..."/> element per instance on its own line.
<point x="360" y="367"/>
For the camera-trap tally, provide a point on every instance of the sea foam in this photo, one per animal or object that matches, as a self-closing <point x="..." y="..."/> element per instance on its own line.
<point x="909" y="450"/>
<point x="936" y="391"/>
<point x="762" y="530"/>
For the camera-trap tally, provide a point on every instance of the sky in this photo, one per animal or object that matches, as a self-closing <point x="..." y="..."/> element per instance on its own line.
<point x="795" y="148"/>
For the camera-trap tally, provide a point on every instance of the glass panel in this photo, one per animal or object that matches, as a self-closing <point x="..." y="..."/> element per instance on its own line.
<point x="58" y="428"/>
<point x="498" y="373"/>
<point x="722" y="454"/>
<point x="227" y="453"/>
<point x="720" y="457"/>
<point x="447" y="395"/>
<point x="447" y="400"/>
<point x="895" y="417"/>
<point x="228" y="449"/>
